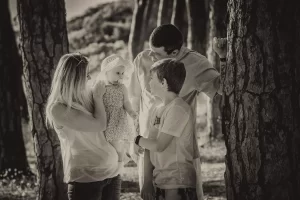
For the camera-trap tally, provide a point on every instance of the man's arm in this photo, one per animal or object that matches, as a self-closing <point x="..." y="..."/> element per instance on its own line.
<point x="134" y="88"/>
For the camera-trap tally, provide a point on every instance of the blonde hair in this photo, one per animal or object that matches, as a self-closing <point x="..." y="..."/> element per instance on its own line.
<point x="69" y="85"/>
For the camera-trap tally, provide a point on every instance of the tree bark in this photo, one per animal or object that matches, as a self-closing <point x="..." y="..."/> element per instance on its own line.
<point x="12" y="148"/>
<point x="144" y="20"/>
<point x="165" y="12"/>
<point x="218" y="28"/>
<point x="43" y="41"/>
<point x="180" y="18"/>
<point x="261" y="101"/>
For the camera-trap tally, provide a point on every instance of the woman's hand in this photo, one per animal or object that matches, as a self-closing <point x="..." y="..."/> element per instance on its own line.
<point x="220" y="46"/>
<point x="98" y="90"/>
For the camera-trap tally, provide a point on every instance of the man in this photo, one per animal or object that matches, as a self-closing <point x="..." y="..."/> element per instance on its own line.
<point x="166" y="42"/>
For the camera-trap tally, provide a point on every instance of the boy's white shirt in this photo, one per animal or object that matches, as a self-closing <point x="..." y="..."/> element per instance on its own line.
<point x="176" y="120"/>
<point x="200" y="77"/>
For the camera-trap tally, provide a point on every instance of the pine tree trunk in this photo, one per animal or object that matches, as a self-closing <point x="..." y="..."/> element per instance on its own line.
<point x="165" y="12"/>
<point x="180" y="18"/>
<point x="197" y="13"/>
<point x="12" y="148"/>
<point x="261" y="101"/>
<point x="218" y="10"/>
<point x="144" y="20"/>
<point x="43" y="41"/>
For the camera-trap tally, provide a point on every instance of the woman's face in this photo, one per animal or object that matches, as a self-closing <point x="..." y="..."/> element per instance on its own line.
<point x="115" y="75"/>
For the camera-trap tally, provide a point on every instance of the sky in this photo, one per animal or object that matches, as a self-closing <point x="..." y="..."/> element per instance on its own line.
<point x="73" y="7"/>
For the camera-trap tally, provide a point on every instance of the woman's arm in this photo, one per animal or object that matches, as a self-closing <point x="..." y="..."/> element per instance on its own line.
<point x="79" y="120"/>
<point x="75" y="119"/>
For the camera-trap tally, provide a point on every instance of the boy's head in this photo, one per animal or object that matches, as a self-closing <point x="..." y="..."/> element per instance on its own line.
<point x="165" y="42"/>
<point x="167" y="75"/>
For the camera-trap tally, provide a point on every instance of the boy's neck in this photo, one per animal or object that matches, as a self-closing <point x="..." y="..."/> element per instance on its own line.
<point x="168" y="97"/>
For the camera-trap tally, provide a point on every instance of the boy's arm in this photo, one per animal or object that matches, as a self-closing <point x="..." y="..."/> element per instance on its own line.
<point x="127" y="104"/>
<point x="173" y="126"/>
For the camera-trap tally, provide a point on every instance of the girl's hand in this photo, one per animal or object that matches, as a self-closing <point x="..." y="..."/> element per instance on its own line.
<point x="98" y="90"/>
<point x="220" y="46"/>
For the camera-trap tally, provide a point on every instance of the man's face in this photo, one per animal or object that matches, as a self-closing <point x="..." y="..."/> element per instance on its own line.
<point x="158" y="53"/>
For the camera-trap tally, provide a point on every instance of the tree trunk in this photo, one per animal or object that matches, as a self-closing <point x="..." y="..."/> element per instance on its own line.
<point x="180" y="18"/>
<point x="197" y="12"/>
<point x="165" y="12"/>
<point x="43" y="41"/>
<point x="218" y="10"/>
<point x="261" y="101"/>
<point x="12" y="148"/>
<point x="144" y="20"/>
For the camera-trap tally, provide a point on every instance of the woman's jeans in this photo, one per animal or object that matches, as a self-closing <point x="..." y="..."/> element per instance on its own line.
<point x="108" y="189"/>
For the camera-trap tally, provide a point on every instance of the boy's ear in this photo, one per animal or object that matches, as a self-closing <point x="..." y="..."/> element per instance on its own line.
<point x="165" y="84"/>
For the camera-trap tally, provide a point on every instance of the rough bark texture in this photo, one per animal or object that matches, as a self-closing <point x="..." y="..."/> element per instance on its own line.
<point x="43" y="41"/>
<point x="261" y="100"/>
<point x="12" y="148"/>
<point x="218" y="28"/>
<point x="180" y="18"/>
<point x="198" y="15"/>
<point x="144" y="20"/>
<point x="165" y="12"/>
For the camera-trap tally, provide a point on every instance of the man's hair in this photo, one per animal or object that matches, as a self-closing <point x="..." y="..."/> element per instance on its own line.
<point x="171" y="70"/>
<point x="167" y="36"/>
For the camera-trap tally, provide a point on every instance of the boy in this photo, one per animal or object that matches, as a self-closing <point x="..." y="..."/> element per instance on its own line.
<point x="171" y="136"/>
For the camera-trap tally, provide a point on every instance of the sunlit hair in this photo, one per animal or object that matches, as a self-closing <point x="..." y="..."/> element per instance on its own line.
<point x="69" y="85"/>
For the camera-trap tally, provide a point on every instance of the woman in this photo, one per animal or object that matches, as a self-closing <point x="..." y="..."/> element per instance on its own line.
<point x="90" y="163"/>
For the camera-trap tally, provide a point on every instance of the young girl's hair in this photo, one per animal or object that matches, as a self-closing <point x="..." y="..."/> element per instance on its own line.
<point x="69" y="85"/>
<point x="111" y="62"/>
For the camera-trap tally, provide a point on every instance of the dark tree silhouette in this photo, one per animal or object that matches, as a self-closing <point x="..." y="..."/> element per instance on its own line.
<point x="180" y="18"/>
<point x="144" y="20"/>
<point x="43" y="41"/>
<point x="261" y="100"/>
<point x="12" y="148"/>
<point x="198" y="18"/>
<point x="165" y="12"/>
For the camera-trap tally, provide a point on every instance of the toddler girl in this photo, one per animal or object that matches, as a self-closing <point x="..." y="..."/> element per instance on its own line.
<point x="116" y="102"/>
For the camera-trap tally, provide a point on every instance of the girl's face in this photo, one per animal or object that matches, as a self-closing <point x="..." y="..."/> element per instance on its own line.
<point x="155" y="85"/>
<point x="115" y="75"/>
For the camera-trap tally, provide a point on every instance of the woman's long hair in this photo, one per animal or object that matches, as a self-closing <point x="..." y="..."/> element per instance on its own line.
<point x="69" y="85"/>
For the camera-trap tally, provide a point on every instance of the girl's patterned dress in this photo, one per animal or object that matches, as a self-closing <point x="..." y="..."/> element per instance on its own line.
<point x="117" y="121"/>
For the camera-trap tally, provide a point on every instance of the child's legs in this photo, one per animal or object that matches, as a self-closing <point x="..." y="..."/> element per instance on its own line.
<point x="118" y="145"/>
<point x="176" y="194"/>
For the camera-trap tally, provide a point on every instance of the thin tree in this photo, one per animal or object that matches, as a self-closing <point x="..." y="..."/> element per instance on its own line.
<point x="261" y="100"/>
<point x="144" y="20"/>
<point x="165" y="11"/>
<point x="198" y="26"/>
<point x="13" y="161"/>
<point x="180" y="18"/>
<point x="43" y="41"/>
<point x="218" y="28"/>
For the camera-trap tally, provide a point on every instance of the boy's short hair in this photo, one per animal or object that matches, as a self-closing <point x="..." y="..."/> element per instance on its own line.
<point x="167" y="36"/>
<point x="171" y="70"/>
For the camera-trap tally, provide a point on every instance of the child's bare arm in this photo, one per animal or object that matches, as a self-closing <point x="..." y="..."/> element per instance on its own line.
<point x="127" y="104"/>
<point x="156" y="145"/>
